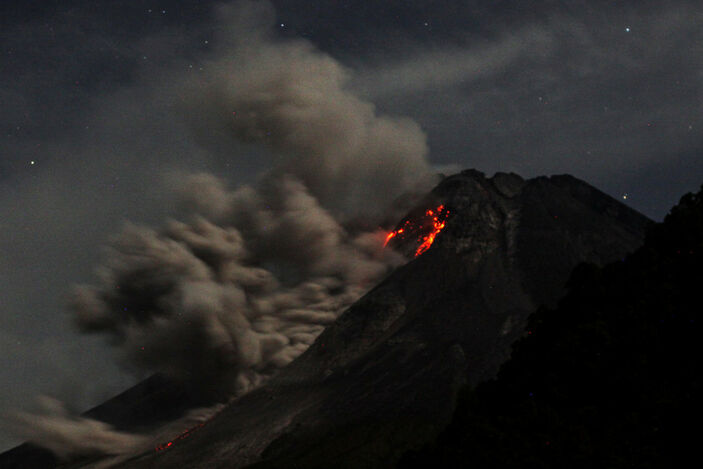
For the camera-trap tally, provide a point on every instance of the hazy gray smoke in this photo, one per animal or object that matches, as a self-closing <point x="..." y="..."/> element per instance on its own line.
<point x="293" y="99"/>
<point x="67" y="435"/>
<point x="227" y="304"/>
<point x="256" y="273"/>
<point x="252" y="276"/>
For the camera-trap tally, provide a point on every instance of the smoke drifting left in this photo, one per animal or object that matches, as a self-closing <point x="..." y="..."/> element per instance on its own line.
<point x="200" y="302"/>
<point x="251" y="276"/>
<point x="67" y="435"/>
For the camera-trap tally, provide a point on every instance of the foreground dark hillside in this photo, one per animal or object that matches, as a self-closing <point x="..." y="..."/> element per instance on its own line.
<point x="611" y="377"/>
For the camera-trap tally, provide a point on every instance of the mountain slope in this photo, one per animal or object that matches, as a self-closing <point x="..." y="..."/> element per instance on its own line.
<point x="383" y="378"/>
<point x="609" y="378"/>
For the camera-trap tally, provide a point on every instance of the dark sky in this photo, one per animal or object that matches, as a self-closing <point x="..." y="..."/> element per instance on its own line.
<point x="609" y="91"/>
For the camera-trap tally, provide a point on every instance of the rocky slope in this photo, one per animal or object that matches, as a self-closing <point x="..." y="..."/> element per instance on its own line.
<point x="611" y="377"/>
<point x="383" y="378"/>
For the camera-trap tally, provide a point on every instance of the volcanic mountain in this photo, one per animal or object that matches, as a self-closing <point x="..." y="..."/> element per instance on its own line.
<point x="382" y="379"/>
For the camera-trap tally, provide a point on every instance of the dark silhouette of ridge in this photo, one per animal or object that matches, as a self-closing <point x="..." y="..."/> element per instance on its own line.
<point x="610" y="377"/>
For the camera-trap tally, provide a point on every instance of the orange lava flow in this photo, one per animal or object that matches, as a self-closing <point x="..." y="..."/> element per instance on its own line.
<point x="395" y="233"/>
<point x="183" y="435"/>
<point x="434" y="221"/>
<point x="437" y="226"/>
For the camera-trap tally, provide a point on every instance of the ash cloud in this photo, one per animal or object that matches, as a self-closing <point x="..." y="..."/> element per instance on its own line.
<point x="67" y="435"/>
<point x="295" y="100"/>
<point x="248" y="277"/>
<point x="252" y="276"/>
<point x="227" y="304"/>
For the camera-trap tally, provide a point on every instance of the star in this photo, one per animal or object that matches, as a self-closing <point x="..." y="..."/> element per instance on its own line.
<point x="31" y="162"/>
<point x="627" y="30"/>
<point x="624" y="196"/>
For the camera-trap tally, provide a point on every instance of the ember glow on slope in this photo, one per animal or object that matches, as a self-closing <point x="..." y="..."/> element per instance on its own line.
<point x="426" y="229"/>
<point x="182" y="436"/>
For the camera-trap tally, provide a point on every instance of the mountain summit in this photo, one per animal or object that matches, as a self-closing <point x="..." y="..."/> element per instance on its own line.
<point x="383" y="378"/>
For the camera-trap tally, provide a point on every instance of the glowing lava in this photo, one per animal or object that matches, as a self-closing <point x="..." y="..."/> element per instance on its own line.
<point x="434" y="221"/>
<point x="183" y="435"/>
<point x="437" y="226"/>
<point x="393" y="234"/>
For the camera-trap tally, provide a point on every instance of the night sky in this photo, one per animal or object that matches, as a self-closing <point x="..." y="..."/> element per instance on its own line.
<point x="609" y="91"/>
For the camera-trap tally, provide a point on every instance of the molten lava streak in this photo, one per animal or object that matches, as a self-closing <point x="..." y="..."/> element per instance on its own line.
<point x="183" y="435"/>
<point x="186" y="433"/>
<point x="434" y="222"/>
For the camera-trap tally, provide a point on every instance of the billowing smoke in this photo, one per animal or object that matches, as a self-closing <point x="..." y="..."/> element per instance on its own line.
<point x="293" y="99"/>
<point x="227" y="304"/>
<point x="252" y="276"/>
<point x="68" y="435"/>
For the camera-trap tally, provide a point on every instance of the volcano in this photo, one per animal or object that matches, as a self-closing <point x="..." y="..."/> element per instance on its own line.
<point x="382" y="379"/>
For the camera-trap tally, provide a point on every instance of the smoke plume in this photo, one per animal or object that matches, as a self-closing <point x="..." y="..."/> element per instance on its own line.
<point x="67" y="435"/>
<point x="293" y="99"/>
<point x="227" y="304"/>
<point x="252" y="276"/>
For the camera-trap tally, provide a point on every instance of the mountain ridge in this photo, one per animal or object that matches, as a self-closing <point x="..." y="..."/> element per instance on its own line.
<point x="610" y="377"/>
<point x="383" y="377"/>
